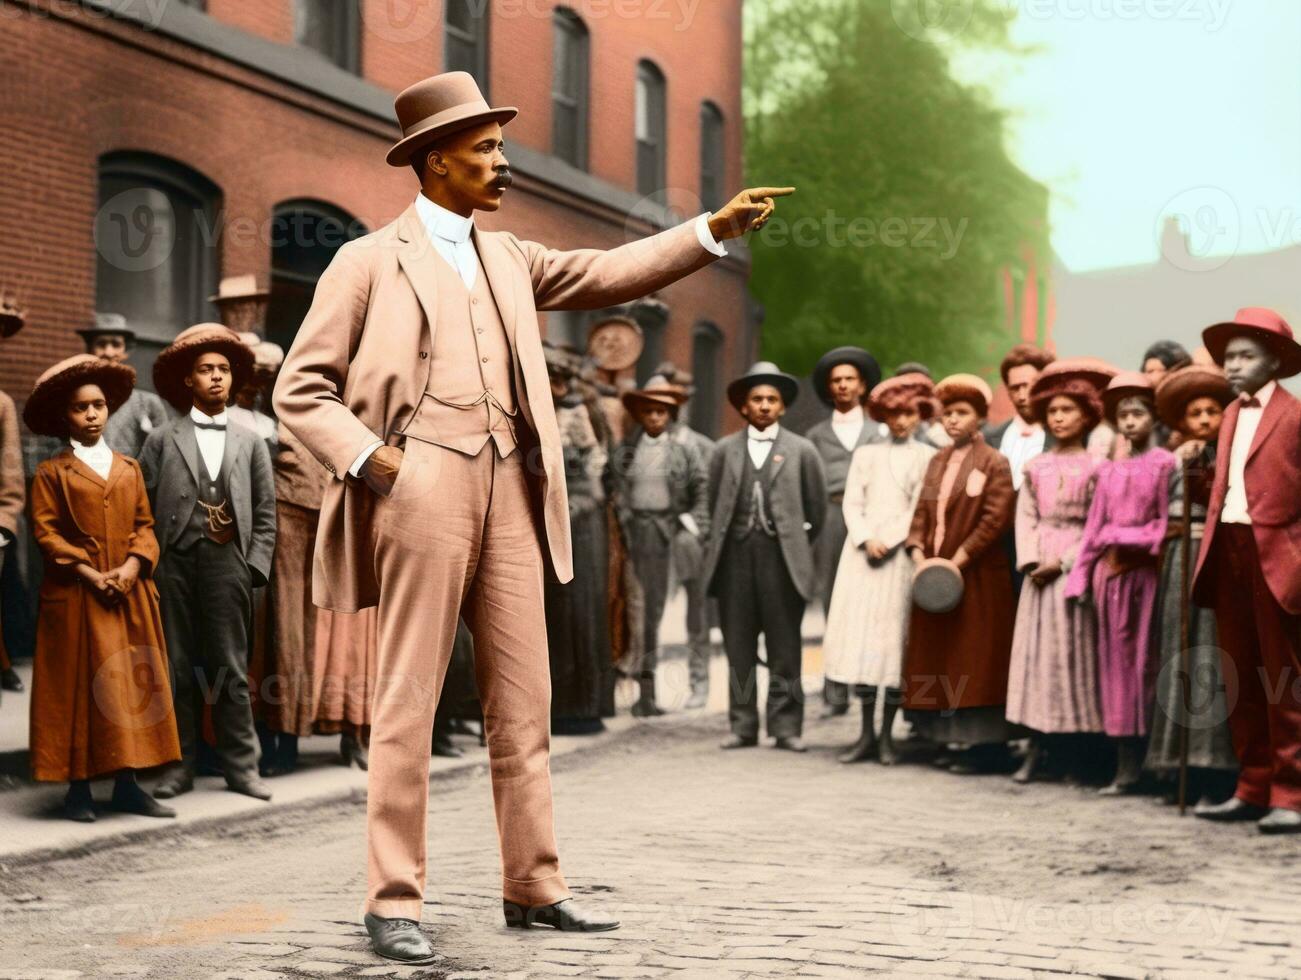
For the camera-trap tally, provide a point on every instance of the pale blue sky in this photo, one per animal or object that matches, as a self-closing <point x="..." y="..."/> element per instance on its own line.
<point x="1137" y="108"/>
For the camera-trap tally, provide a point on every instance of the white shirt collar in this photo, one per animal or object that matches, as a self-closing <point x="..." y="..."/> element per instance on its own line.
<point x="97" y="448"/>
<point x="767" y="435"/>
<point x="443" y="223"/>
<point x="651" y="440"/>
<point x="197" y="416"/>
<point x="853" y="417"/>
<point x="98" y="456"/>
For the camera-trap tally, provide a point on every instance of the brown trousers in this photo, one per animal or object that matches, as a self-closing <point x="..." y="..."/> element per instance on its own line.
<point x="457" y="537"/>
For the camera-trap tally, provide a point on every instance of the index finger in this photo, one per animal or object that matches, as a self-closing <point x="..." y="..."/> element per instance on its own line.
<point x="773" y="191"/>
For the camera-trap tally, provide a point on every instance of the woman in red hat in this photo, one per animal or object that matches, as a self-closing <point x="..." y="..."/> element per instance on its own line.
<point x="1190" y="401"/>
<point x="1052" y="685"/>
<point x="101" y="701"/>
<point x="1117" y="567"/>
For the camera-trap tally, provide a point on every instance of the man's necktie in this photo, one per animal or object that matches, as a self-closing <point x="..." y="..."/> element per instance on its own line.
<point x="1252" y="402"/>
<point x="215" y="426"/>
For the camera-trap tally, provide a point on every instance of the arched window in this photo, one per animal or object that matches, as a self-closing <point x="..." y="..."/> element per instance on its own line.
<point x="156" y="243"/>
<point x="650" y="124"/>
<point x="305" y="234"/>
<point x="712" y="157"/>
<point x="465" y="39"/>
<point x="569" y="88"/>
<point x="706" y="372"/>
<point x="332" y="28"/>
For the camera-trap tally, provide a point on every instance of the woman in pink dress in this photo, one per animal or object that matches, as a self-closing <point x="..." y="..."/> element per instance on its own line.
<point x="1118" y="566"/>
<point x="1052" y="686"/>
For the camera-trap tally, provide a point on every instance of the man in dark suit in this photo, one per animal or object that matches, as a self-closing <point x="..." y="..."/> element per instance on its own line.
<point x="128" y="428"/>
<point x="842" y="378"/>
<point x="661" y="489"/>
<point x="1248" y="567"/>
<point x="768" y="501"/>
<point x="213" y="496"/>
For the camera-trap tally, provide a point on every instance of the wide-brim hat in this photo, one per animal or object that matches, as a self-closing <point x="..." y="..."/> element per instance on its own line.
<point x="238" y="288"/>
<point x="867" y="366"/>
<point x="937" y="585"/>
<point x="1093" y="370"/>
<point x="108" y="324"/>
<point x="438" y="106"/>
<point x="658" y="390"/>
<point x="902" y="390"/>
<point x="174" y="361"/>
<point x="965" y="388"/>
<point x="763" y="373"/>
<point x="1081" y="378"/>
<point x="1127" y="384"/>
<point x="1261" y="324"/>
<point x="45" y="411"/>
<point x="1184" y="385"/>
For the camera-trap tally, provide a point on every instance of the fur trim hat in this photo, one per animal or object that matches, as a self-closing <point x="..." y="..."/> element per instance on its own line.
<point x="903" y="391"/>
<point x="965" y="388"/>
<point x="1180" y="387"/>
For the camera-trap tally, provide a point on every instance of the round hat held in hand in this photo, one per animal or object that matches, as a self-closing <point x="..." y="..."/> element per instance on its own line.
<point x="937" y="585"/>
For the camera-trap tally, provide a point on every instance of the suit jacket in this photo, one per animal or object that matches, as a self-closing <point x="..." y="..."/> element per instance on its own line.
<point x="835" y="457"/>
<point x="797" y="494"/>
<point x="361" y="361"/>
<point x="171" y="460"/>
<point x="688" y="477"/>
<point x="1273" y="478"/>
<point x="980" y="508"/>
<point x="129" y="427"/>
<point x="13" y="485"/>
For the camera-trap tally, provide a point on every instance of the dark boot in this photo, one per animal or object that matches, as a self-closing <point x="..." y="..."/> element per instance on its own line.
<point x="865" y="747"/>
<point x="287" y="756"/>
<point x="1030" y="768"/>
<point x="268" y="763"/>
<point x="646" y="706"/>
<point x="128" y="797"/>
<point x="78" y="804"/>
<point x="886" y="754"/>
<point x="1129" y="767"/>
<point x="10" y="681"/>
<point x="442" y="744"/>
<point x="352" y="750"/>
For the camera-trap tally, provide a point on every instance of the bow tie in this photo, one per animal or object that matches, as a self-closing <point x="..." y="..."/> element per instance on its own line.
<point x="1250" y="401"/>
<point x="215" y="426"/>
<point x="763" y="437"/>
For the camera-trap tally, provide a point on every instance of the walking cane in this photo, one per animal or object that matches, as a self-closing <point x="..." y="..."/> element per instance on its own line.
<point x="1185" y="655"/>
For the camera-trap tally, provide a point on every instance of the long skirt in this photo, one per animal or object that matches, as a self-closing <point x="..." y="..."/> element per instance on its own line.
<point x="1052" y="683"/>
<point x="1126" y="603"/>
<point x="286" y="683"/>
<point x="347" y="658"/>
<point x="867" y="625"/>
<point x="578" y="634"/>
<point x="1203" y="710"/>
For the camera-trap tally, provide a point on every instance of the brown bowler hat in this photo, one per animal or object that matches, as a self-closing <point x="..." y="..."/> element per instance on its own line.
<point x="1186" y="384"/>
<point x="45" y="408"/>
<point x="658" y="391"/>
<point x="1263" y="325"/>
<point x="174" y="361"/>
<point x="438" y="106"/>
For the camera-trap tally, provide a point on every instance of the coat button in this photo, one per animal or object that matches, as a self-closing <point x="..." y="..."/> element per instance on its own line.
<point x="484" y="359"/>
<point x="424" y="354"/>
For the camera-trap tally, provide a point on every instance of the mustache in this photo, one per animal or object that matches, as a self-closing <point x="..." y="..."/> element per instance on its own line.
<point x="503" y="179"/>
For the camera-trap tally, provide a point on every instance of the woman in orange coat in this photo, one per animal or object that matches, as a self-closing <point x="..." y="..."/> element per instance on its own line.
<point x="101" y="701"/>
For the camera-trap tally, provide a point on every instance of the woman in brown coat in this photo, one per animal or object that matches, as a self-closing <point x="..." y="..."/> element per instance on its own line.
<point x="101" y="700"/>
<point x="955" y="673"/>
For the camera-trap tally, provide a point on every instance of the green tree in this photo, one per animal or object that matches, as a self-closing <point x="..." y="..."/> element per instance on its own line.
<point x="908" y="209"/>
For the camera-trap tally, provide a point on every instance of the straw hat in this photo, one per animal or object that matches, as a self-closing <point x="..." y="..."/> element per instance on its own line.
<point x="46" y="408"/>
<point x="173" y="363"/>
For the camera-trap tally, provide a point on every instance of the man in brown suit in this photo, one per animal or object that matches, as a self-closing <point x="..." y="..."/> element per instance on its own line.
<point x="418" y="380"/>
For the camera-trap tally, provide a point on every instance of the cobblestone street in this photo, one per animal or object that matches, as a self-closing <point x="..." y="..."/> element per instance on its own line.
<point x="751" y="863"/>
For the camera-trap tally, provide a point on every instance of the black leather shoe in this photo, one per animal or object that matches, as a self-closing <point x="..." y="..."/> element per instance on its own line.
<point x="833" y="711"/>
<point x="646" y="709"/>
<point x="566" y="916"/>
<point x="399" y="939"/>
<point x="78" y="805"/>
<point x="443" y="747"/>
<point x="1231" y="810"/>
<point x="130" y="798"/>
<point x="351" y="750"/>
<point x="1280" y="821"/>
<point x="738" y="742"/>
<point x="174" y="784"/>
<point x="10" y="681"/>
<point x="250" y="785"/>
<point x="792" y="744"/>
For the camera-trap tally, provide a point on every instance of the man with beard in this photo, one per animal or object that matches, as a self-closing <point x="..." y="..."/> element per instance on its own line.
<point x="1248" y="571"/>
<point x="842" y="378"/>
<point x="419" y="381"/>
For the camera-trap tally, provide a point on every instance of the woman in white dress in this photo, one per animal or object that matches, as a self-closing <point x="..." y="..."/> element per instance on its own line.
<point x="867" y="623"/>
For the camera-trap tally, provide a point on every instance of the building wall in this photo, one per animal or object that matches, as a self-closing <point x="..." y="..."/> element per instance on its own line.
<point x="79" y="83"/>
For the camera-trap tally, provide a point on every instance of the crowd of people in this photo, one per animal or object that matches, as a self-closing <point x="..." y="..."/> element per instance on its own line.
<point x="1102" y="588"/>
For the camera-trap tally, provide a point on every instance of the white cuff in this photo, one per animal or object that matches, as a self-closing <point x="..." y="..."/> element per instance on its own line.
<point x="689" y="522"/>
<point x="707" y="240"/>
<point x="355" y="468"/>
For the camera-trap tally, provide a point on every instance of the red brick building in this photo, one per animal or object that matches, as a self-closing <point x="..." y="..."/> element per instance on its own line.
<point x="152" y="147"/>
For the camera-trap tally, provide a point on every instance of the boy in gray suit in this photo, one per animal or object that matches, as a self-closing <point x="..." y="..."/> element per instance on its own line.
<point x="213" y="496"/>
<point x="768" y="500"/>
